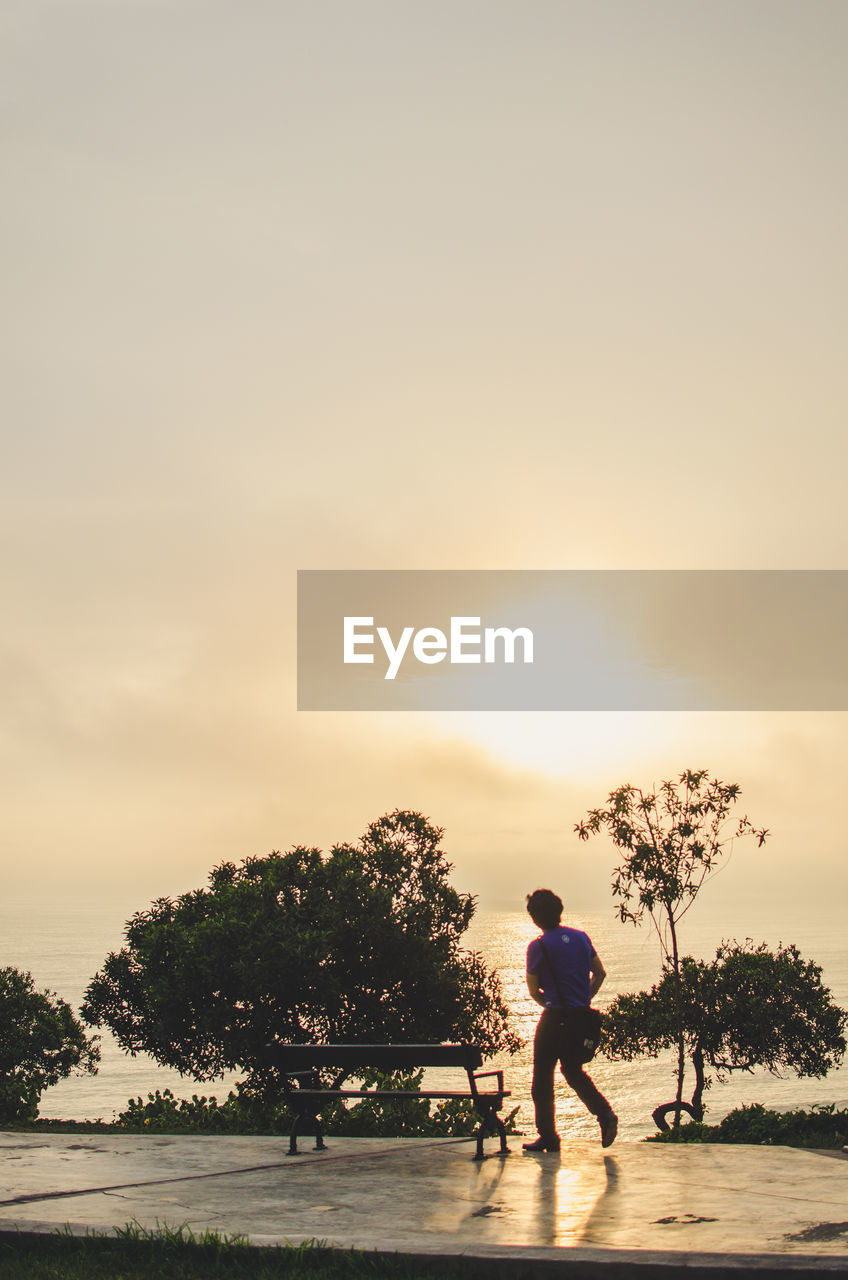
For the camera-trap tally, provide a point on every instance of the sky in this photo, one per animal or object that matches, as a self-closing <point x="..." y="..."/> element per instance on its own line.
<point x="390" y="285"/>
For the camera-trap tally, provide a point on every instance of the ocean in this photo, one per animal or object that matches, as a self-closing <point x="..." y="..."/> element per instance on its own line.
<point x="64" y="943"/>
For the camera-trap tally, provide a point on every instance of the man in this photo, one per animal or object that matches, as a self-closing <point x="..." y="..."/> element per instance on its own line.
<point x="563" y="971"/>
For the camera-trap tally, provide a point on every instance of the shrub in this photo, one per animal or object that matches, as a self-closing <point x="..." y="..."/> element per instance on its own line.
<point x="823" y="1127"/>
<point x="245" y="1111"/>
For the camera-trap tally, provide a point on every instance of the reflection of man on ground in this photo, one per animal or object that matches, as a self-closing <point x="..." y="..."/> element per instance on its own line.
<point x="563" y="972"/>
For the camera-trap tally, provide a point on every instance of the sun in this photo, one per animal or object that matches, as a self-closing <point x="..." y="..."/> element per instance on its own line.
<point x="579" y="745"/>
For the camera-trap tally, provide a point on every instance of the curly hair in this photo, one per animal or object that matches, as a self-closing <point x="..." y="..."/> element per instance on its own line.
<point x="545" y="908"/>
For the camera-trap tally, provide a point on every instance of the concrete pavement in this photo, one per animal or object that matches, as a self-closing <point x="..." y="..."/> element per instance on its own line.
<point x="724" y="1208"/>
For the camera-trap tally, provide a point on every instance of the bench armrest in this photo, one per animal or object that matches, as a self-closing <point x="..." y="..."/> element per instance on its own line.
<point x="485" y="1075"/>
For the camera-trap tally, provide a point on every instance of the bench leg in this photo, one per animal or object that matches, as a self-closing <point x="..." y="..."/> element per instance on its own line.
<point x="479" y="1154"/>
<point x="490" y="1124"/>
<point x="319" y="1133"/>
<point x="502" y="1132"/>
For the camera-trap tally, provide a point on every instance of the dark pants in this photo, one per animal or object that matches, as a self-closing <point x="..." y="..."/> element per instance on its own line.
<point x="551" y="1045"/>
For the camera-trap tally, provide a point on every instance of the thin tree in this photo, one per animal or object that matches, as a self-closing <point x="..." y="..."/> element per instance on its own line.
<point x="672" y="839"/>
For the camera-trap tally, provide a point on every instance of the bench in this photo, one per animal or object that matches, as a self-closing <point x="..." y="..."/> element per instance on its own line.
<point x="305" y="1097"/>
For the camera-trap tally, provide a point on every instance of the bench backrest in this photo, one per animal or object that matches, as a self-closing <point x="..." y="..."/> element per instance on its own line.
<point x="382" y="1057"/>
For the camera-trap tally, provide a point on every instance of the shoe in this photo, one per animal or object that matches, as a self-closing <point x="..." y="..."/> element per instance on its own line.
<point x="609" y="1128"/>
<point x="541" y="1145"/>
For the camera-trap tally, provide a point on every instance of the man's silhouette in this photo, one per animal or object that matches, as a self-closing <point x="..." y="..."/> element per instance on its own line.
<point x="563" y="973"/>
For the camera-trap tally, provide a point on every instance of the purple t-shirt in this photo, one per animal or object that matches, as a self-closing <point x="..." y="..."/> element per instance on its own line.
<point x="570" y="952"/>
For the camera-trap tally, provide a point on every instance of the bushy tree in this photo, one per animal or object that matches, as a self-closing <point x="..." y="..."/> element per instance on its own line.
<point x="358" y="945"/>
<point x="749" y="1007"/>
<point x="41" y="1042"/>
<point x="671" y="839"/>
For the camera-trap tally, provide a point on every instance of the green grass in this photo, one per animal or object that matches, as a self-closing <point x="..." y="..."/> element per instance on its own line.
<point x="177" y="1253"/>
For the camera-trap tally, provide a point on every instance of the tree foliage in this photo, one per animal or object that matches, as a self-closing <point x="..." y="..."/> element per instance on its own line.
<point x="749" y="1007"/>
<point x="41" y="1042"/>
<point x="358" y="945"/>
<point x="671" y="840"/>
